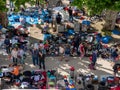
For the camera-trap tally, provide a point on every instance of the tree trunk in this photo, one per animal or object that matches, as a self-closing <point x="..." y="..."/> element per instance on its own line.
<point x="3" y="19"/>
<point x="110" y="20"/>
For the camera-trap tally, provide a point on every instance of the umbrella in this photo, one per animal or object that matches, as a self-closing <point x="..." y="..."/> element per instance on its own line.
<point x="86" y="22"/>
<point x="27" y="73"/>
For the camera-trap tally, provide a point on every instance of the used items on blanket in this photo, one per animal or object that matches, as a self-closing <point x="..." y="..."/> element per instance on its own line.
<point x="51" y="74"/>
<point x="69" y="83"/>
<point x="28" y="79"/>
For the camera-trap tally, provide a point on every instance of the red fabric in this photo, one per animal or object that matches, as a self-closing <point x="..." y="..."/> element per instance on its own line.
<point x="105" y="46"/>
<point x="82" y="18"/>
<point x="115" y="88"/>
<point x="72" y="68"/>
<point x="82" y="48"/>
<point x="46" y="46"/>
<point x="116" y="79"/>
<point x="43" y="80"/>
<point x="110" y="80"/>
<point x="66" y="8"/>
<point x="117" y="58"/>
<point x="90" y="58"/>
<point x="65" y="76"/>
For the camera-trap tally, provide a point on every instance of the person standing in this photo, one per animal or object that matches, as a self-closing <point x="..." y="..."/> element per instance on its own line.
<point x="15" y="72"/>
<point x="67" y="52"/>
<point x="21" y="54"/>
<point x="70" y="14"/>
<point x="94" y="58"/>
<point x="82" y="51"/>
<point x="61" y="52"/>
<point x="7" y="44"/>
<point x="35" y="53"/>
<point x="58" y="18"/>
<point x="114" y="55"/>
<point x="14" y="55"/>
<point x="41" y="60"/>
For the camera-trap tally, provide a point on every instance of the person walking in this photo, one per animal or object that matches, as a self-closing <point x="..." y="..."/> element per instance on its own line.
<point x="41" y="60"/>
<point x="35" y="53"/>
<point x="94" y="58"/>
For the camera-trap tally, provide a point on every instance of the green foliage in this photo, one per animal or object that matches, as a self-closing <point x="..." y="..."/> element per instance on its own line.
<point x="33" y="2"/>
<point x="3" y="5"/>
<point x="97" y="6"/>
<point x="106" y="32"/>
<point x="17" y="4"/>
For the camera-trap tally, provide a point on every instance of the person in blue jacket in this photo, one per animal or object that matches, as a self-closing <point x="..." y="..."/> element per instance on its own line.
<point x="94" y="58"/>
<point x="114" y="55"/>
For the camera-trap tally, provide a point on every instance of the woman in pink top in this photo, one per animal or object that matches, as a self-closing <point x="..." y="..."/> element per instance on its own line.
<point x="82" y="50"/>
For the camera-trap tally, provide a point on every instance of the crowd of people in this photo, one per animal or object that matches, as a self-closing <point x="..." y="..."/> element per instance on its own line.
<point x="63" y="44"/>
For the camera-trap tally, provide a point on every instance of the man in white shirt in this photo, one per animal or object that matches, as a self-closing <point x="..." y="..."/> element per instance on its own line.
<point x="61" y="52"/>
<point x="14" y="55"/>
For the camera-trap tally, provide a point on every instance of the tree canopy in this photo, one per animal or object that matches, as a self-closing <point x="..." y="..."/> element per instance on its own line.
<point x="18" y="3"/>
<point x="97" y="6"/>
<point x="2" y="5"/>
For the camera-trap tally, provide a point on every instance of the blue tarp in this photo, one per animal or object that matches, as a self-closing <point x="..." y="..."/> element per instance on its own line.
<point x="106" y="39"/>
<point x="46" y="36"/>
<point x="85" y="22"/>
<point x="15" y="18"/>
<point x="1" y="26"/>
<point x="116" y="32"/>
<point x="71" y="32"/>
<point x="67" y="88"/>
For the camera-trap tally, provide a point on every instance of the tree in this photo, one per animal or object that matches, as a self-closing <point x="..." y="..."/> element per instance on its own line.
<point x="97" y="6"/>
<point x="3" y="9"/>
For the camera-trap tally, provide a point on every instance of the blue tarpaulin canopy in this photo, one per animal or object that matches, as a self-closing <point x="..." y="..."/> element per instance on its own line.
<point x="85" y="22"/>
<point x="31" y="18"/>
